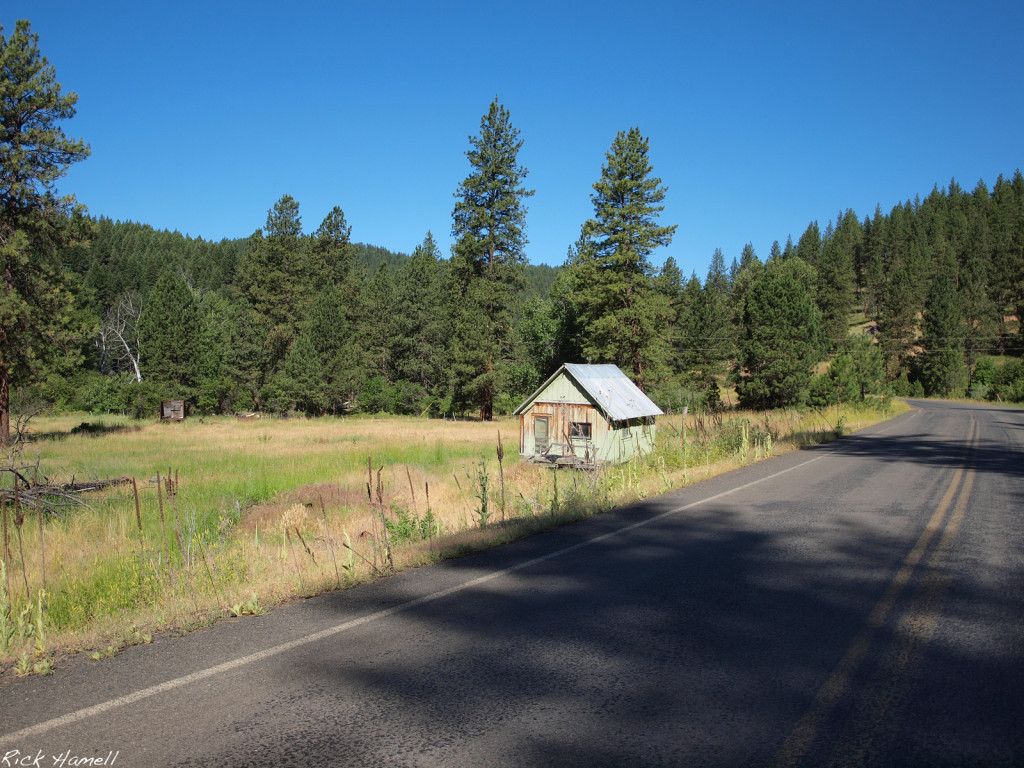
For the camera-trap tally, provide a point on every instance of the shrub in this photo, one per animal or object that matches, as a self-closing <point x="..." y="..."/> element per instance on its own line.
<point x="373" y="396"/>
<point x="404" y="398"/>
<point x="984" y="372"/>
<point x="731" y="434"/>
<point x="1008" y="382"/>
<point x="409" y="526"/>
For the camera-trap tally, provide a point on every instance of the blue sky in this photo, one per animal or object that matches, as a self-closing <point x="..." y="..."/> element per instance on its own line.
<point x="761" y="116"/>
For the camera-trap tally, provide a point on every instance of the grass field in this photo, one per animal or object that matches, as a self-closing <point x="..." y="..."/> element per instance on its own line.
<point x="264" y="510"/>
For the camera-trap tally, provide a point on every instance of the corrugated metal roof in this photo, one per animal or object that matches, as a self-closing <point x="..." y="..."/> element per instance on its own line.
<point x="619" y="397"/>
<point x="612" y="391"/>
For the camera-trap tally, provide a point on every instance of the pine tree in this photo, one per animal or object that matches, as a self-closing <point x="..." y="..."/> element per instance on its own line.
<point x="701" y="338"/>
<point x="691" y="338"/>
<point x="331" y="329"/>
<point x="809" y="246"/>
<point x="789" y="250"/>
<point x="981" y="318"/>
<point x="943" y="371"/>
<point x="749" y="272"/>
<point x="36" y="322"/>
<point x="897" y="319"/>
<point x="718" y="337"/>
<point x="836" y="280"/>
<point x="487" y="260"/>
<point x="254" y="349"/>
<point x="170" y="331"/>
<point x="621" y="311"/>
<point x="300" y="385"/>
<point x="537" y="332"/>
<point x="748" y="257"/>
<point x="854" y="373"/>
<point x="1006" y="224"/>
<point x="376" y="331"/>
<point x="903" y="247"/>
<point x="867" y="364"/>
<point x="329" y="257"/>
<point x="931" y="225"/>
<point x="1017" y="260"/>
<point x="957" y="206"/>
<point x="669" y="282"/>
<point x="871" y="276"/>
<point x="214" y="388"/>
<point x="422" y="330"/>
<point x="568" y="343"/>
<point x="779" y="348"/>
<point x="271" y="270"/>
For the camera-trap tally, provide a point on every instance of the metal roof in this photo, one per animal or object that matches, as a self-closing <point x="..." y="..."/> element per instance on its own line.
<point x="615" y="395"/>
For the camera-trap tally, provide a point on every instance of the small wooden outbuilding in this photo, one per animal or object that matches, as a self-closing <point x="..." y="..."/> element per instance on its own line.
<point x="586" y="414"/>
<point x="172" y="410"/>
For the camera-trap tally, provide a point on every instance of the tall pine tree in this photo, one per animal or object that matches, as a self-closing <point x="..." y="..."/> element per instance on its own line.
<point x="836" y="288"/>
<point x="36" y="322"/>
<point x="718" y="335"/>
<point x="170" y="332"/>
<point x="331" y="326"/>
<point x="488" y="226"/>
<point x="808" y="247"/>
<point x="271" y="272"/>
<point x="779" y="347"/>
<point x="943" y="371"/>
<point x="622" y="312"/>
<point x="421" y="329"/>
<point x="329" y="258"/>
<point x="300" y="385"/>
<point x="1006" y="223"/>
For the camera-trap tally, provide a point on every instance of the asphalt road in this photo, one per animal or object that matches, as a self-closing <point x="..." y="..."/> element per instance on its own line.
<point x="860" y="603"/>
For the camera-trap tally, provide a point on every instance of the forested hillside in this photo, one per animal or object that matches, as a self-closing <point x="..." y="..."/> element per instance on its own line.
<point x="191" y="290"/>
<point x="918" y="300"/>
<point x="101" y="315"/>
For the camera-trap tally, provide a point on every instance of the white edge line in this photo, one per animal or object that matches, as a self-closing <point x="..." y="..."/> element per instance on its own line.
<point x="203" y="674"/>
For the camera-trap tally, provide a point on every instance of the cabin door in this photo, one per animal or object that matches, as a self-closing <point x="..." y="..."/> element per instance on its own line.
<point x="540" y="434"/>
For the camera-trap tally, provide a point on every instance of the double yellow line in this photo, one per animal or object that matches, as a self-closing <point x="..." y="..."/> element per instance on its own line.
<point x="914" y="630"/>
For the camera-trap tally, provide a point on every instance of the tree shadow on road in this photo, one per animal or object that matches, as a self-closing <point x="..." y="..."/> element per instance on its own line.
<point x="696" y="639"/>
<point x="987" y="455"/>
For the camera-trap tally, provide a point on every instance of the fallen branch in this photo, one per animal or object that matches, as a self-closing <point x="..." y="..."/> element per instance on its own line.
<point x="49" y="495"/>
<point x="94" y="485"/>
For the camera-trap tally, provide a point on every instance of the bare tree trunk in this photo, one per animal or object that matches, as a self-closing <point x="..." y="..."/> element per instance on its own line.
<point x="121" y="329"/>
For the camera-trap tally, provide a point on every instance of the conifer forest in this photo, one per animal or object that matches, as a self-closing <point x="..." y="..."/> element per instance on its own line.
<point x="102" y="315"/>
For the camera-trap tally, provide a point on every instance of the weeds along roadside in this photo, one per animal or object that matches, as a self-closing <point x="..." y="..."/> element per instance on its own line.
<point x="294" y="508"/>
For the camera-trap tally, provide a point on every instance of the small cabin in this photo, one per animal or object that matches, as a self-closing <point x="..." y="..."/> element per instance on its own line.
<point x="586" y="415"/>
<point x="172" y="410"/>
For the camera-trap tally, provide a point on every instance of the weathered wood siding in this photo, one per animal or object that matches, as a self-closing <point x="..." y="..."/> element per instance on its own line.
<point x="173" y="410"/>
<point x="560" y="417"/>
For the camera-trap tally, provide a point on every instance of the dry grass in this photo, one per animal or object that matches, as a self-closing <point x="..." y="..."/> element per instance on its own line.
<point x="270" y="510"/>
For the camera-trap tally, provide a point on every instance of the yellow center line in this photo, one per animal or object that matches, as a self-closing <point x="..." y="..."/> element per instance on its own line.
<point x="914" y="631"/>
<point x="802" y="736"/>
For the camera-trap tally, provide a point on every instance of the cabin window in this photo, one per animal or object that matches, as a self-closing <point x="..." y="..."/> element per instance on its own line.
<point x="625" y="430"/>
<point x="579" y="430"/>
